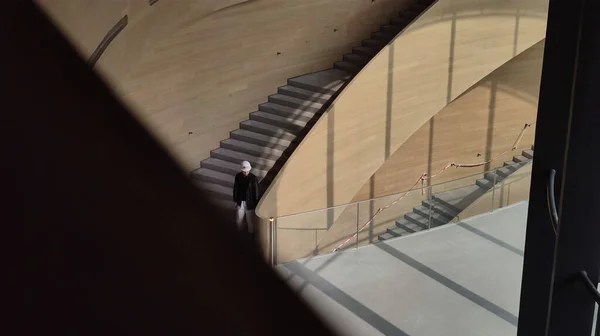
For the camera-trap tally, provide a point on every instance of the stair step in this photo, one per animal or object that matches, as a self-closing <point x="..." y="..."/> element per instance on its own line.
<point x="286" y="111"/>
<point x="400" y="21"/>
<point x="491" y="175"/>
<point x="215" y="191"/>
<point x="410" y="14"/>
<point x="213" y="176"/>
<point x="408" y="226"/>
<point x="440" y="208"/>
<point x="528" y="153"/>
<point x="252" y="149"/>
<point x="357" y="59"/>
<point x="294" y="103"/>
<point x="260" y="139"/>
<point x="294" y="124"/>
<point x="268" y="129"/>
<point x="394" y="29"/>
<point x="365" y="51"/>
<point x="347" y="67"/>
<point x="418" y="219"/>
<point x="436" y="217"/>
<point x="374" y="44"/>
<point x="384" y="36"/>
<point x="419" y="6"/>
<point x="458" y="199"/>
<point x="385" y="236"/>
<point x="485" y="183"/>
<point x="237" y="158"/>
<point x="326" y="81"/>
<point x="505" y="171"/>
<point x="229" y="167"/>
<point x="515" y="165"/>
<point x="520" y="158"/>
<point x="396" y="231"/>
<point x="308" y="95"/>
<point x="423" y="210"/>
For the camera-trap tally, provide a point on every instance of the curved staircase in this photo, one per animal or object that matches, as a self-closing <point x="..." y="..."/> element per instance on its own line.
<point x="447" y="205"/>
<point x="271" y="134"/>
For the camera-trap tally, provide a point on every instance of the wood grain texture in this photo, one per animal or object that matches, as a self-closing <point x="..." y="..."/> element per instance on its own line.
<point x="450" y="48"/>
<point x="482" y="123"/>
<point x="85" y="22"/>
<point x="192" y="70"/>
<point x="460" y="133"/>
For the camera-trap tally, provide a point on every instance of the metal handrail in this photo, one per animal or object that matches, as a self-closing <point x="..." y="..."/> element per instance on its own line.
<point x="394" y="194"/>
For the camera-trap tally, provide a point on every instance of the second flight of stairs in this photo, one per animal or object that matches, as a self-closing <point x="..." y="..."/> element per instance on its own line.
<point x="445" y="206"/>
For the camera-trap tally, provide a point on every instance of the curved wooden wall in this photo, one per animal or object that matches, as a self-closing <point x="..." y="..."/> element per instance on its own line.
<point x="451" y="47"/>
<point x="479" y="125"/>
<point x="193" y="69"/>
<point x="461" y="131"/>
<point x="85" y="22"/>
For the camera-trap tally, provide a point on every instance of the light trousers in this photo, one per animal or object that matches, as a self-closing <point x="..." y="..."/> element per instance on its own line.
<point x="243" y="213"/>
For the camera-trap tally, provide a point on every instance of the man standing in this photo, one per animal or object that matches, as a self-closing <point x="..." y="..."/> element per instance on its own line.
<point x="245" y="195"/>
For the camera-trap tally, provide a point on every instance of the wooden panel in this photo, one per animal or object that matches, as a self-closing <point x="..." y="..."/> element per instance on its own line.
<point x="460" y="133"/>
<point x="192" y="70"/>
<point x="480" y="124"/>
<point x="450" y="48"/>
<point x="85" y="22"/>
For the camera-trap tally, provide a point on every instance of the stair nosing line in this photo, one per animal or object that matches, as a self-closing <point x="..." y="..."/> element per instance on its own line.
<point x="298" y="133"/>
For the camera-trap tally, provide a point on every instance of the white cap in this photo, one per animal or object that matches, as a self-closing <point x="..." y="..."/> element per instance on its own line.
<point x="246" y="166"/>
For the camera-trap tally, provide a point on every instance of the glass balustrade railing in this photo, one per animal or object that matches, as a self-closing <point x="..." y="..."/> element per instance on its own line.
<point x="420" y="209"/>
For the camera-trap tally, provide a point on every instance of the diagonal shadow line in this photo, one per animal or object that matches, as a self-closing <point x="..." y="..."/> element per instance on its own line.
<point x="492" y="239"/>
<point x="318" y="269"/>
<point x="451" y="59"/>
<point x="389" y="105"/>
<point x="330" y="165"/>
<point x="516" y="37"/>
<point x="339" y="296"/>
<point x="464" y="292"/>
<point x="490" y="129"/>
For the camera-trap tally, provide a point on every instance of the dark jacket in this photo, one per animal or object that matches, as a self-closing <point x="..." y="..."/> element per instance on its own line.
<point x="245" y="188"/>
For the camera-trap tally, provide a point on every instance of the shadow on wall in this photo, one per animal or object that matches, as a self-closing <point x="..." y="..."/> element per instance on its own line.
<point x="333" y="160"/>
<point x="493" y="93"/>
<point x="432" y="120"/>
<point x="324" y="42"/>
<point x="367" y="26"/>
<point x="512" y="190"/>
<point x="517" y="13"/>
<point x="330" y="166"/>
<point x="192" y="70"/>
<point x="522" y="9"/>
<point x="388" y="129"/>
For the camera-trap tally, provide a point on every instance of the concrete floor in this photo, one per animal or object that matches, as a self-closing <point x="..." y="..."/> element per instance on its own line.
<point x="459" y="279"/>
